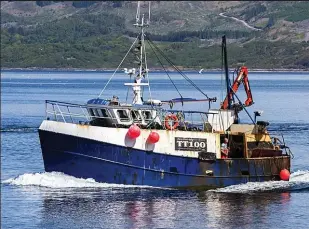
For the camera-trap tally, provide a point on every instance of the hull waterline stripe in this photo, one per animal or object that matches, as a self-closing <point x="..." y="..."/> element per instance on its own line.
<point x="166" y="172"/>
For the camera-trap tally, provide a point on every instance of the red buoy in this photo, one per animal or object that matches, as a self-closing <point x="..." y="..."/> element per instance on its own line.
<point x="134" y="131"/>
<point x="153" y="137"/>
<point x="284" y="174"/>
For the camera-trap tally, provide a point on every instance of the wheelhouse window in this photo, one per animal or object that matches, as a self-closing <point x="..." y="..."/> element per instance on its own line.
<point x="147" y="115"/>
<point x="136" y="116"/>
<point x="123" y="115"/>
<point x="96" y="113"/>
<point x="91" y="112"/>
<point x="104" y="113"/>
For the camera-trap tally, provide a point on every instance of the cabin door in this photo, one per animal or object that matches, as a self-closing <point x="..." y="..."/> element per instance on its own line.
<point x="235" y="145"/>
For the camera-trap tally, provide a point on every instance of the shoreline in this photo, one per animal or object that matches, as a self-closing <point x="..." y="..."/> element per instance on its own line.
<point x="153" y="70"/>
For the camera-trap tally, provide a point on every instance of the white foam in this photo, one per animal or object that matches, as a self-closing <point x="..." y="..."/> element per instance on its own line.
<point x="298" y="180"/>
<point x="60" y="180"/>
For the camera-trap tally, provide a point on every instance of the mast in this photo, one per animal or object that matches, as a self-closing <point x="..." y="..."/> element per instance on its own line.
<point x="140" y="55"/>
<point x="136" y="86"/>
<point x="227" y="79"/>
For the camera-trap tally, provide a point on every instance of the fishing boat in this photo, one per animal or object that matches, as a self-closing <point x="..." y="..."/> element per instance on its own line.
<point x="147" y="142"/>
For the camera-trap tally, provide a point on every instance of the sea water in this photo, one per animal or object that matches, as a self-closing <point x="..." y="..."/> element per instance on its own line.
<point x="32" y="198"/>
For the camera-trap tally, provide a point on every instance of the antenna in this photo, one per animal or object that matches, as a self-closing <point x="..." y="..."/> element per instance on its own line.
<point x="140" y="55"/>
<point x="138" y="22"/>
<point x="138" y="12"/>
<point x="148" y="22"/>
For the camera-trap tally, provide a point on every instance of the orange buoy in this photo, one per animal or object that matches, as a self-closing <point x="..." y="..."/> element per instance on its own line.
<point x="284" y="175"/>
<point x="134" y="131"/>
<point x="153" y="137"/>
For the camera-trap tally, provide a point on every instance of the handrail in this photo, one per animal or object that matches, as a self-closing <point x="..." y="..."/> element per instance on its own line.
<point x="53" y="108"/>
<point x="64" y="103"/>
<point x="127" y="107"/>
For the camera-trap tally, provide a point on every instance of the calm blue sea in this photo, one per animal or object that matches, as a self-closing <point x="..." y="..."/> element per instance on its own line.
<point x="31" y="198"/>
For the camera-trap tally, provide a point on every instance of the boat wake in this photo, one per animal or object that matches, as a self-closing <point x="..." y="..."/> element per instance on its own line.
<point x="60" y="180"/>
<point x="298" y="181"/>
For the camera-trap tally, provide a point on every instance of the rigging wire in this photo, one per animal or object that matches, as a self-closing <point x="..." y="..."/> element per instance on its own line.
<point x="177" y="69"/>
<point x="141" y="42"/>
<point x="128" y="89"/>
<point x="221" y="94"/>
<point x="242" y="105"/>
<point x="151" y="46"/>
<point x="146" y="68"/>
<point x="118" y="66"/>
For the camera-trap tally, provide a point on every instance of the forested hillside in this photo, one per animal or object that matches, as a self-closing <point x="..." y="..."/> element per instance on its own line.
<point x="95" y="34"/>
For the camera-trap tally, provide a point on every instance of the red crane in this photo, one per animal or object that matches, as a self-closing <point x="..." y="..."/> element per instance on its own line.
<point x="242" y="77"/>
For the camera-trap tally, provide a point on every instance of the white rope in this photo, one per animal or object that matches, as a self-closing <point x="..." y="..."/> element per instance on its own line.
<point x="118" y="66"/>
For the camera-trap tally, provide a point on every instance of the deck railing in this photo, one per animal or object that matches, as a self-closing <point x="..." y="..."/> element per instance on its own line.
<point x="78" y="113"/>
<point x="61" y="111"/>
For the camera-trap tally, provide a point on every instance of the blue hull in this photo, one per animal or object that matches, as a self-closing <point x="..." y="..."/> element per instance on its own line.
<point x="104" y="162"/>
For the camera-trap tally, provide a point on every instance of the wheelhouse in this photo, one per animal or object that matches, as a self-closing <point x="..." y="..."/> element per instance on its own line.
<point x="108" y="113"/>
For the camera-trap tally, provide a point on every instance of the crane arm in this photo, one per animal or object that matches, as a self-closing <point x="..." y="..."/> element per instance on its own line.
<point x="242" y="77"/>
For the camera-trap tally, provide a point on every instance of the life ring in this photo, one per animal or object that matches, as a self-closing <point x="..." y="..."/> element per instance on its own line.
<point x="169" y="118"/>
